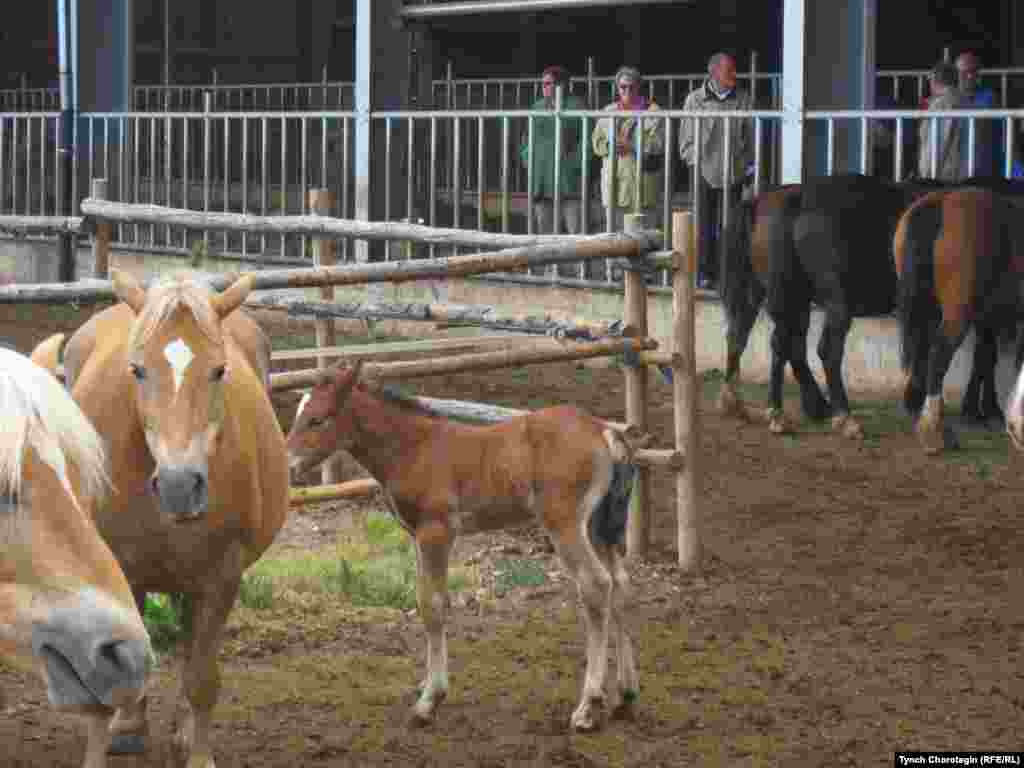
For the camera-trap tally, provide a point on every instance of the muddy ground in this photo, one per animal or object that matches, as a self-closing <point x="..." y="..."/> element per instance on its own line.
<point x="856" y="599"/>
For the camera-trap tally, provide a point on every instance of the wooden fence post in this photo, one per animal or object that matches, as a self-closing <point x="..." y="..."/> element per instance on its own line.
<point x="101" y="239"/>
<point x="638" y="529"/>
<point x="320" y="204"/>
<point x="685" y="390"/>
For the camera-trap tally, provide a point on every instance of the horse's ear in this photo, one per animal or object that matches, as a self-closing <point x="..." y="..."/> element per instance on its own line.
<point x="350" y="378"/>
<point x="128" y="290"/>
<point x="232" y="297"/>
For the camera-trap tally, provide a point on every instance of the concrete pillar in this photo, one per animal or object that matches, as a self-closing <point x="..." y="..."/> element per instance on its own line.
<point x="828" y="59"/>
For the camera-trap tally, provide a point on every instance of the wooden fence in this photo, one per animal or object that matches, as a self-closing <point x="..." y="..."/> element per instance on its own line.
<point x="569" y="338"/>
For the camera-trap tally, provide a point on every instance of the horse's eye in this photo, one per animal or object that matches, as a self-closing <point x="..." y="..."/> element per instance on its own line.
<point x="138" y="371"/>
<point x="217" y="374"/>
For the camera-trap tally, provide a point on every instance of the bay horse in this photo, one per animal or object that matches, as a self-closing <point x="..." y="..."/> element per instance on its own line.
<point x="959" y="256"/>
<point x="826" y="242"/>
<point x="559" y="466"/>
<point x="65" y="605"/>
<point x="174" y="378"/>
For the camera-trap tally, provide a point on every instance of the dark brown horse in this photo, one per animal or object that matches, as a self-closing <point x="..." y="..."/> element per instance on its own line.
<point x="827" y="242"/>
<point x="559" y="467"/>
<point x="958" y="254"/>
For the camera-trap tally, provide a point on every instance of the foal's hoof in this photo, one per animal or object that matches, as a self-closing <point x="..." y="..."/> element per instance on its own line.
<point x="127" y="744"/>
<point x="587" y="717"/>
<point x="847" y="426"/>
<point x="729" y="404"/>
<point x="777" y="422"/>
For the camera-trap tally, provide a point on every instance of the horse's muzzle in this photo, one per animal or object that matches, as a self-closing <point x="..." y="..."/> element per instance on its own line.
<point x="183" y="492"/>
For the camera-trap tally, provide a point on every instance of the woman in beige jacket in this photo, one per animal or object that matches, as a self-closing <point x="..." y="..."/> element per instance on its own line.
<point x="630" y="191"/>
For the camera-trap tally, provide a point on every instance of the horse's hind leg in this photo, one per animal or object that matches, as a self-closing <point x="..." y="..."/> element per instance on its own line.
<point x="433" y="545"/>
<point x="932" y="431"/>
<point x="736" y="337"/>
<point x="831" y="348"/>
<point x="812" y="401"/>
<point x="981" y="401"/>
<point x="594" y="583"/>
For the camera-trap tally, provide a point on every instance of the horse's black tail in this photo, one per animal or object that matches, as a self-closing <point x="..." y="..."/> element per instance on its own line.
<point x="737" y="271"/>
<point x="608" y="522"/>
<point x="918" y="309"/>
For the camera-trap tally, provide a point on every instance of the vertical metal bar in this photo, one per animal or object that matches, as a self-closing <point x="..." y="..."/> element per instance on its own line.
<point x="283" y="196"/>
<point x="432" y="211"/>
<point x="152" y="123"/>
<point x="758" y="140"/>
<point x="584" y="179"/>
<point x="456" y="189"/>
<point x="505" y="125"/>
<point x="264" y="178"/>
<point x="1008" y="155"/>
<point x="529" y="174"/>
<point x="865" y="147"/>
<point x="15" y="141"/>
<point x="304" y="136"/>
<point x="480" y="171"/>
<point x="208" y="98"/>
<point x="3" y="169"/>
<point x="933" y="132"/>
<point x="897" y="171"/>
<point x="971" y="138"/>
<point x="244" y="167"/>
<point x="666" y="221"/>
<point x="186" y="162"/>
<point x="410" y="181"/>
<point x="168" y="168"/>
<point x="830" y="147"/>
<point x="226" y="160"/>
<point x="387" y="182"/>
<point x="698" y="206"/>
<point x="345" y="178"/>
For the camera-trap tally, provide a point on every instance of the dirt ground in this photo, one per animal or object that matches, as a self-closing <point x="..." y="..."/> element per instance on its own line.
<point x="856" y="599"/>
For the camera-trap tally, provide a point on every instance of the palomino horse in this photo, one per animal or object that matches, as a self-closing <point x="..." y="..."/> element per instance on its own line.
<point x="175" y="380"/>
<point x="959" y="260"/>
<point x="65" y="605"/>
<point x="826" y="242"/>
<point x="559" y="466"/>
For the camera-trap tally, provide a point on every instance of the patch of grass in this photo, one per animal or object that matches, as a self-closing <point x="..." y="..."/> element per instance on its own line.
<point x="510" y="573"/>
<point x="162" y="616"/>
<point x="376" y="568"/>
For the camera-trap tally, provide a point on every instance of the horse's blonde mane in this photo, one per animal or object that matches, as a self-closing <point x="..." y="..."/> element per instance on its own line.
<point x="38" y="414"/>
<point x="169" y="294"/>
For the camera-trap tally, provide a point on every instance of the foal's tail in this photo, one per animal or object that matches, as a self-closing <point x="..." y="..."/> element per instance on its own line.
<point x="914" y="248"/>
<point x="608" y="522"/>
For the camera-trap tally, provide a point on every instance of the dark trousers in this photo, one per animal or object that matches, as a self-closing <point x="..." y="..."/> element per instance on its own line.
<point x="710" y="235"/>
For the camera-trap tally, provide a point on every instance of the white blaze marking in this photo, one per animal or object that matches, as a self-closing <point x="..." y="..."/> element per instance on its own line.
<point x="302" y="404"/>
<point x="179" y="355"/>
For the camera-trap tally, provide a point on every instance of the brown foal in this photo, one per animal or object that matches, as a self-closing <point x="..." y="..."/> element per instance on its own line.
<point x="560" y="467"/>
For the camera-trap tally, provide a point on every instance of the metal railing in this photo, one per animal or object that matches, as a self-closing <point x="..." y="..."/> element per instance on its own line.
<point x="457" y="168"/>
<point x="29" y="99"/>
<point x="255" y="97"/>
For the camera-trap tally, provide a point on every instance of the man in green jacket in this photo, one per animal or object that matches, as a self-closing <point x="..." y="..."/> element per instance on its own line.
<point x="570" y="165"/>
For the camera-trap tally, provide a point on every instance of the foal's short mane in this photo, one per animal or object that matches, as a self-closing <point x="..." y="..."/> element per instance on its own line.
<point x="166" y="296"/>
<point x="39" y="415"/>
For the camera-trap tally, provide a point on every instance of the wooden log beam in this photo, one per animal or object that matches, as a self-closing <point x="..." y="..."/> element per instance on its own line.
<point x="353" y="489"/>
<point x="484" y="361"/>
<point x="450" y="314"/>
<point x="24" y="226"/>
<point x="614" y="245"/>
<point x="387" y="349"/>
<point x="313" y="226"/>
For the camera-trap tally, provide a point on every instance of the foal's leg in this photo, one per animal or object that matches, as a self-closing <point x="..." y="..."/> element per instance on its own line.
<point x="812" y="401"/>
<point x="629" y="679"/>
<point x="777" y="422"/>
<point x="594" y="583"/>
<point x="981" y="402"/>
<point x="201" y="673"/>
<point x="433" y="545"/>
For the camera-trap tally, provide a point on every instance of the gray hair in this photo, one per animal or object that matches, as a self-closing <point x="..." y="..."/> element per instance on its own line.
<point x="717" y="59"/>
<point x="628" y="72"/>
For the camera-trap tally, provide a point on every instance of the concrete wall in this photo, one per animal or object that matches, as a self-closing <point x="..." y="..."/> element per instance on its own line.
<point x="872" y="348"/>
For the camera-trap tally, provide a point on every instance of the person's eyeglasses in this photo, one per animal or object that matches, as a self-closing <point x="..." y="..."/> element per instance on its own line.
<point x="627" y="86"/>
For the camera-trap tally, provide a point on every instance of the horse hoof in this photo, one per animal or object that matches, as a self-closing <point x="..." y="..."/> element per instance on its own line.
<point x="584" y="722"/>
<point x="127" y="744"/>
<point x="932" y="443"/>
<point x="729" y="404"/>
<point x="848" y="427"/>
<point x="777" y="423"/>
<point x="418" y="720"/>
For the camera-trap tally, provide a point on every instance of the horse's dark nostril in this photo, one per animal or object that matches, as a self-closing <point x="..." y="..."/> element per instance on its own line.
<point x="154" y="484"/>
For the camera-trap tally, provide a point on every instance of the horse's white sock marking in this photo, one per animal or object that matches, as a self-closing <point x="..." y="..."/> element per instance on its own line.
<point x="179" y="355"/>
<point x="302" y="404"/>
